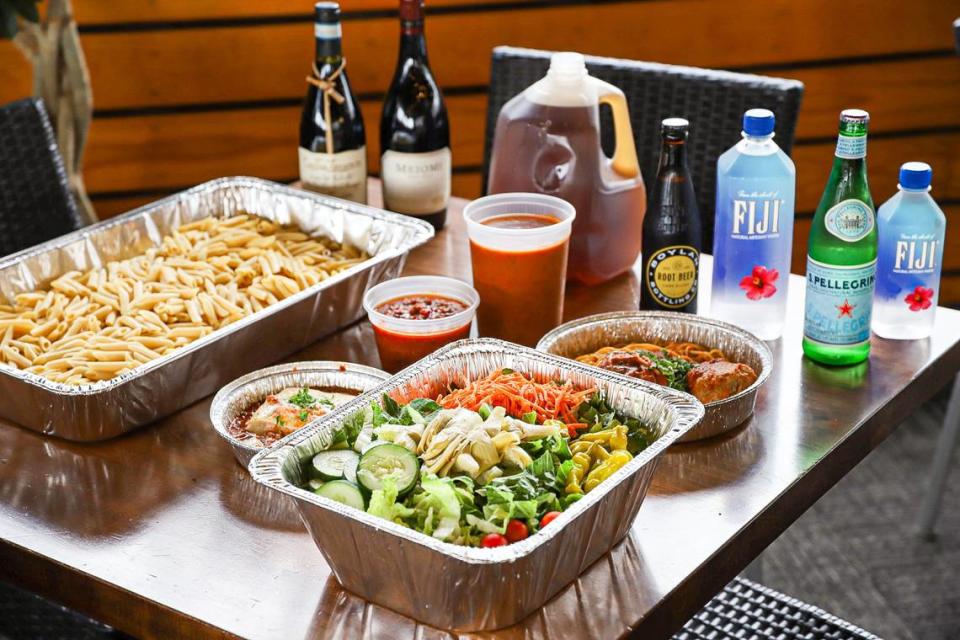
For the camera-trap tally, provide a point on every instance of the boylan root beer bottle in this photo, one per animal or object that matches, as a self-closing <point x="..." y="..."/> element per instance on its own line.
<point x="842" y="254"/>
<point x="671" y="229"/>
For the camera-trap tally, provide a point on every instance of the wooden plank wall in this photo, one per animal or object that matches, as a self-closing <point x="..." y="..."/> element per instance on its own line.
<point x="188" y="90"/>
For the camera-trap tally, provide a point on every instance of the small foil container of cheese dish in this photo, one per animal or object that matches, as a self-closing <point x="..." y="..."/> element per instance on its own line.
<point x="471" y="588"/>
<point x="591" y="333"/>
<point x="254" y="387"/>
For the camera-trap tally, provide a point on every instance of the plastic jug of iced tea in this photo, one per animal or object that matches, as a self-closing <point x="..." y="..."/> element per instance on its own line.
<point x="547" y="140"/>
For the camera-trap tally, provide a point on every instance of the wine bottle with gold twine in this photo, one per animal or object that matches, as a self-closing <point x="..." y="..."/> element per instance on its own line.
<point x="333" y="155"/>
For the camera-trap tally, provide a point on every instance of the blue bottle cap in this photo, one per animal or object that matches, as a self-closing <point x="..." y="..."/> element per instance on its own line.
<point x="915" y="176"/>
<point x="758" y="122"/>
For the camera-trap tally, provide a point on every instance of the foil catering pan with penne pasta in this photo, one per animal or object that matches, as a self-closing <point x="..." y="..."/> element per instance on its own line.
<point x="127" y="321"/>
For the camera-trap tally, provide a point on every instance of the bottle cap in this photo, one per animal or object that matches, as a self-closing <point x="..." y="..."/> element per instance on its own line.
<point x="758" y="122"/>
<point x="915" y="176"/>
<point x="854" y="115"/>
<point x="674" y="127"/>
<point x="411" y="10"/>
<point x="327" y="12"/>
<point x="567" y="65"/>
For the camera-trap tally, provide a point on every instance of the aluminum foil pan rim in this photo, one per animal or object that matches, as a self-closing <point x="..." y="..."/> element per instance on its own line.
<point x="687" y="412"/>
<point x="423" y="233"/>
<point x="221" y="400"/>
<point x="755" y="343"/>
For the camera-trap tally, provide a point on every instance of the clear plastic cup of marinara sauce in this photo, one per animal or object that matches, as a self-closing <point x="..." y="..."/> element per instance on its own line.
<point x="518" y="249"/>
<point x="414" y="316"/>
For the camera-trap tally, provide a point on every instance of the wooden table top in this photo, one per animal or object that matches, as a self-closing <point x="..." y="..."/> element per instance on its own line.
<point x="161" y="534"/>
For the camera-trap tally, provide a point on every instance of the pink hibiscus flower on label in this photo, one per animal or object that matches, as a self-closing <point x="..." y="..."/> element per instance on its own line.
<point x="919" y="299"/>
<point x="759" y="284"/>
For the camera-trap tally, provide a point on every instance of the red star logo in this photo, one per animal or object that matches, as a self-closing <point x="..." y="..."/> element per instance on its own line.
<point x="846" y="309"/>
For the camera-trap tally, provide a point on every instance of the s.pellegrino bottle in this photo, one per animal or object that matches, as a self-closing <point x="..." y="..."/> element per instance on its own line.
<point x="333" y="152"/>
<point x="753" y="230"/>
<point x="415" y="162"/>
<point x="842" y="254"/>
<point x="671" y="229"/>
<point x="911" y="229"/>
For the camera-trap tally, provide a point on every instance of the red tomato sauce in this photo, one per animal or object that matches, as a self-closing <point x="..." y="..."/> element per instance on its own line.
<point x="422" y="307"/>
<point x="398" y="350"/>
<point x="521" y="293"/>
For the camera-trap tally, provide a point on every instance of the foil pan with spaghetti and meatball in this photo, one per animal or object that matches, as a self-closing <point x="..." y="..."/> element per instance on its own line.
<point x="721" y="365"/>
<point x="124" y="322"/>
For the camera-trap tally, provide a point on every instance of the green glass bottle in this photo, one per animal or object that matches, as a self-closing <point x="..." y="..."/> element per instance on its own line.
<point x="842" y="254"/>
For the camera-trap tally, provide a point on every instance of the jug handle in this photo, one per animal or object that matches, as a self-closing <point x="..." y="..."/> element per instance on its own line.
<point x="624" y="159"/>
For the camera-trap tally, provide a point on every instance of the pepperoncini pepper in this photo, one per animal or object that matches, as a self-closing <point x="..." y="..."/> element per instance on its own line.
<point x="581" y="466"/>
<point x="605" y="469"/>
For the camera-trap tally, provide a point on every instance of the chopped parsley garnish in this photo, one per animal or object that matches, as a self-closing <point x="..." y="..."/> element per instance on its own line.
<point x="279" y="421"/>
<point x="304" y="414"/>
<point x="327" y="402"/>
<point x="303" y="399"/>
<point x="674" y="369"/>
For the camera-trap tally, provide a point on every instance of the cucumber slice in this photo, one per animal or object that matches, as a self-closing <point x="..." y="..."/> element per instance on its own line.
<point x="314" y="484"/>
<point x="388" y="460"/>
<point x="333" y="465"/>
<point x="343" y="492"/>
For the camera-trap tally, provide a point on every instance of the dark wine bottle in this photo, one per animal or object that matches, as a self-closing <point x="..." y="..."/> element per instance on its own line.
<point x="671" y="229"/>
<point x="415" y="160"/>
<point x="333" y="152"/>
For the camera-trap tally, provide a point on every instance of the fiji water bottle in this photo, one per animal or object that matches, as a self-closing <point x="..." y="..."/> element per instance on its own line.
<point x="910" y="229"/>
<point x="753" y="231"/>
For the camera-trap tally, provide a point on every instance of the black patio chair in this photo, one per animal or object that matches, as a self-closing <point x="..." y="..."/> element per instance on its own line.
<point x="35" y="200"/>
<point x="745" y="609"/>
<point x="713" y="102"/>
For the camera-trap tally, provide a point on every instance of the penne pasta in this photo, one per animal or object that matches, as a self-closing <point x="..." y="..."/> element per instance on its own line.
<point x="92" y="326"/>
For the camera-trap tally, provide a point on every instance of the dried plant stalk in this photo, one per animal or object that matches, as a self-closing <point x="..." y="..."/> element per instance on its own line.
<point x="61" y="78"/>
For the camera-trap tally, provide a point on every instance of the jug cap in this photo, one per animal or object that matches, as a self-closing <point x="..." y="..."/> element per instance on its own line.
<point x="915" y="176"/>
<point x="758" y="122"/>
<point x="567" y="65"/>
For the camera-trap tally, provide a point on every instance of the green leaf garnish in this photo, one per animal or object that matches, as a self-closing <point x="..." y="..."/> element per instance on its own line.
<point x="303" y="399"/>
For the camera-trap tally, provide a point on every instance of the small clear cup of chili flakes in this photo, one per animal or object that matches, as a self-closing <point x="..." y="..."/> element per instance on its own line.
<point x="414" y="316"/>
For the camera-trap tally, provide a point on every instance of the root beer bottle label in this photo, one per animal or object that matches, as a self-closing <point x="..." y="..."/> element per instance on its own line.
<point x="671" y="276"/>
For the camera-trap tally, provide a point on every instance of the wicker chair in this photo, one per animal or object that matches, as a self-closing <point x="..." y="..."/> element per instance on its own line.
<point x="745" y="609"/>
<point x="713" y="101"/>
<point x="35" y="200"/>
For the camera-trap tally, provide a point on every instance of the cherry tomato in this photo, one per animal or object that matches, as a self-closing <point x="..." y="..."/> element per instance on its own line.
<point x="517" y="530"/>
<point x="493" y="540"/>
<point x="548" y="517"/>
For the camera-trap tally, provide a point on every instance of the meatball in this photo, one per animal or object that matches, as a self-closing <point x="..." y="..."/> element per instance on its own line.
<point x="632" y="364"/>
<point x="719" y="379"/>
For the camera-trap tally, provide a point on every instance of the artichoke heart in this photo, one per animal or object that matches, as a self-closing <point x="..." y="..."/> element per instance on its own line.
<point x="517" y="457"/>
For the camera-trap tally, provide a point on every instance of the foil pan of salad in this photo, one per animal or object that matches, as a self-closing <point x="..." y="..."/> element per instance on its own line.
<point x="720" y="364"/>
<point x="474" y="485"/>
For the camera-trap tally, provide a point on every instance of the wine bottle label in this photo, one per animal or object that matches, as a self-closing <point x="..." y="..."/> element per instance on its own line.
<point x="851" y="147"/>
<point x="839" y="301"/>
<point x="849" y="220"/>
<point x="416" y="183"/>
<point x="671" y="275"/>
<point x="342" y="175"/>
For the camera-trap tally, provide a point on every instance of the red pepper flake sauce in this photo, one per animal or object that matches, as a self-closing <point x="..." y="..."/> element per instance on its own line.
<point x="421" y="307"/>
<point x="399" y="349"/>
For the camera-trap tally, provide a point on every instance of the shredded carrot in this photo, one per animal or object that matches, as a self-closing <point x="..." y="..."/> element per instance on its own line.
<point x="520" y="395"/>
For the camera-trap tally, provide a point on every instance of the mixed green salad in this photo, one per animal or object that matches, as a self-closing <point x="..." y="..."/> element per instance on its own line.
<point x="485" y="465"/>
